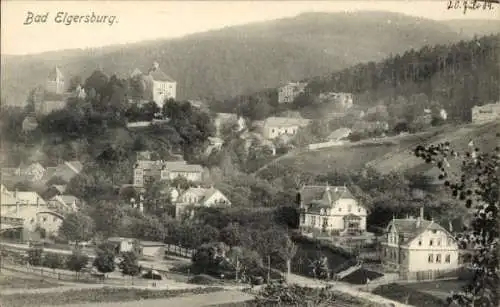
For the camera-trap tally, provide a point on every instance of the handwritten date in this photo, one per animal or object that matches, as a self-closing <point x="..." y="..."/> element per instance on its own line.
<point x="466" y="5"/>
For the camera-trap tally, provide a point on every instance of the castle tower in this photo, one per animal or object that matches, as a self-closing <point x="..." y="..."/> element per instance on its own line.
<point x="55" y="81"/>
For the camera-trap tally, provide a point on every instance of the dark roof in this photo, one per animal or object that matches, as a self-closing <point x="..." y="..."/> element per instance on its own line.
<point x="159" y="75"/>
<point x="360" y="277"/>
<point x="409" y="229"/>
<point x="308" y="194"/>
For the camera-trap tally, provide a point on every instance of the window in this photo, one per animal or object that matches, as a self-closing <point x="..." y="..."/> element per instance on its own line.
<point x="431" y="258"/>
<point x="419" y="242"/>
<point x="439" y="242"/>
<point x="447" y="259"/>
<point x="325" y="221"/>
<point x="303" y="219"/>
<point x="54" y="219"/>
<point x="402" y="256"/>
<point x="313" y="220"/>
<point x="431" y="242"/>
<point x="359" y="209"/>
<point x="340" y="209"/>
<point x="349" y="208"/>
<point x="45" y="219"/>
<point x="438" y="258"/>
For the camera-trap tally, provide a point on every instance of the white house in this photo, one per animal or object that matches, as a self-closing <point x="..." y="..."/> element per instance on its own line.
<point x="415" y="245"/>
<point x="124" y="245"/>
<point x="158" y="85"/>
<point x="274" y="127"/>
<point x="343" y="100"/>
<point x="200" y="197"/>
<point x="332" y="210"/>
<point x="486" y="113"/>
<point x="166" y="170"/>
<point x="64" y="203"/>
<point x="288" y="92"/>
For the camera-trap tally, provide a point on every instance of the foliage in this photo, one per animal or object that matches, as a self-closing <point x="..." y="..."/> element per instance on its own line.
<point x="53" y="260"/>
<point x="408" y="295"/>
<point x="105" y="261"/>
<point x="476" y="186"/>
<point x="77" y="227"/>
<point x="129" y="264"/>
<point x="35" y="256"/>
<point x="77" y="261"/>
<point x="294" y="295"/>
<point x="209" y="256"/>
<point x="106" y="294"/>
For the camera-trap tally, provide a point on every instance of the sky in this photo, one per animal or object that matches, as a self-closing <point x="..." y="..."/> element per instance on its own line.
<point x="141" y="20"/>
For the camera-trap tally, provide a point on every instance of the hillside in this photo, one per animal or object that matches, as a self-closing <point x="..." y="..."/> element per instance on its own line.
<point x="240" y="59"/>
<point x="385" y="155"/>
<point x="474" y="27"/>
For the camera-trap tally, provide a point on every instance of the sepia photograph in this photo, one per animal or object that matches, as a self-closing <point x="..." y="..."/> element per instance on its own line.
<point x="250" y="153"/>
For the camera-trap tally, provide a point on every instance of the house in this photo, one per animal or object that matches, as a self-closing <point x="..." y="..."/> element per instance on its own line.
<point x="199" y="197"/>
<point x="32" y="172"/>
<point x="166" y="170"/>
<point x="486" y="113"/>
<point x="159" y="87"/>
<point x="31" y="208"/>
<point x="339" y="134"/>
<point x="64" y="203"/>
<point x="274" y="127"/>
<point x="288" y="92"/>
<point x="331" y="210"/>
<point x="414" y="245"/>
<point x="343" y="100"/>
<point x="214" y="144"/>
<point x="123" y="245"/>
<point x="55" y="82"/>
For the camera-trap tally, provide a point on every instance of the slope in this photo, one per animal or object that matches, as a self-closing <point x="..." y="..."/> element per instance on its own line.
<point x="385" y="155"/>
<point x="239" y="59"/>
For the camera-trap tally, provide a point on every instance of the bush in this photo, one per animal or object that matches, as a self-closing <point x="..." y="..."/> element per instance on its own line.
<point x="401" y="294"/>
<point x="35" y="256"/>
<point x="54" y="261"/>
<point x="77" y="261"/>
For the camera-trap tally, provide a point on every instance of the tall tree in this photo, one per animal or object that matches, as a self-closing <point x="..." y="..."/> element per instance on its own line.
<point x="77" y="227"/>
<point x="477" y="186"/>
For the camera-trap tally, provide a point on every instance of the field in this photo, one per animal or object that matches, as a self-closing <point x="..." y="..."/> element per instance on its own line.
<point x="440" y="289"/>
<point x="96" y="296"/>
<point x="16" y="282"/>
<point x="388" y="154"/>
<point x="429" y="294"/>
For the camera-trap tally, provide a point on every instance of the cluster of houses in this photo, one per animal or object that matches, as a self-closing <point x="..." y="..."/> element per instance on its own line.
<point x="166" y="172"/>
<point x="29" y="208"/>
<point x="410" y="246"/>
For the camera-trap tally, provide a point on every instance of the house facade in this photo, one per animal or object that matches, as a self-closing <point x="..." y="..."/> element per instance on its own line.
<point x="288" y="92"/>
<point x="199" y="197"/>
<point x="64" y="203"/>
<point x="486" y="113"/>
<point x="166" y="170"/>
<point x="274" y="127"/>
<point x="158" y="85"/>
<point x="55" y="82"/>
<point x="415" y="245"/>
<point x="330" y="210"/>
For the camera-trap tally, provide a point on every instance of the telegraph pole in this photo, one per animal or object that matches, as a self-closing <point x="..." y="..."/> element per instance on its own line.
<point x="268" y="269"/>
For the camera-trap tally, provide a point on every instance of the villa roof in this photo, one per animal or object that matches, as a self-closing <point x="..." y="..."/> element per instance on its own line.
<point x="310" y="193"/>
<point x="411" y="228"/>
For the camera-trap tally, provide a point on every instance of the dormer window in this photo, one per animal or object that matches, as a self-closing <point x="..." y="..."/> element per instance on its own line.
<point x="419" y="242"/>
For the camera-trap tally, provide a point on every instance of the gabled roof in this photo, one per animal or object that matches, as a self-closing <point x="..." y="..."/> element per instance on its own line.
<point x="55" y="73"/>
<point x="59" y="187"/>
<point x="202" y="194"/>
<point x="310" y="193"/>
<point x="410" y="228"/>
<point x="285" y="122"/>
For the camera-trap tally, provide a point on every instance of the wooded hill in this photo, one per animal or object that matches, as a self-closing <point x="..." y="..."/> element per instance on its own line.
<point x="235" y="60"/>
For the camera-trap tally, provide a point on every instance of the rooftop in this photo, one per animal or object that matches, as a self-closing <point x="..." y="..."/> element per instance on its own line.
<point x="286" y="122"/>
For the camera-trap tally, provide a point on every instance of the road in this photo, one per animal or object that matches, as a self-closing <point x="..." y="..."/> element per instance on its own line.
<point x="199" y="300"/>
<point x="292" y="278"/>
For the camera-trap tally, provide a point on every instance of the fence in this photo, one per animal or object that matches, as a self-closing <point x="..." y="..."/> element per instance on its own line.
<point x="52" y="274"/>
<point x="175" y="250"/>
<point x="433" y="274"/>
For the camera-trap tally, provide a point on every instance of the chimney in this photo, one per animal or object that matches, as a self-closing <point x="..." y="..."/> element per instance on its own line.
<point x="420" y="217"/>
<point x="15" y="194"/>
<point x="17" y="208"/>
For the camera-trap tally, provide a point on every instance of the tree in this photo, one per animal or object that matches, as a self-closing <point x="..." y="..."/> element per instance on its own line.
<point x="77" y="227"/>
<point x="35" y="256"/>
<point x="477" y="187"/>
<point x="129" y="264"/>
<point x="294" y="295"/>
<point x="53" y="261"/>
<point x="105" y="261"/>
<point x="231" y="234"/>
<point x="77" y="261"/>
